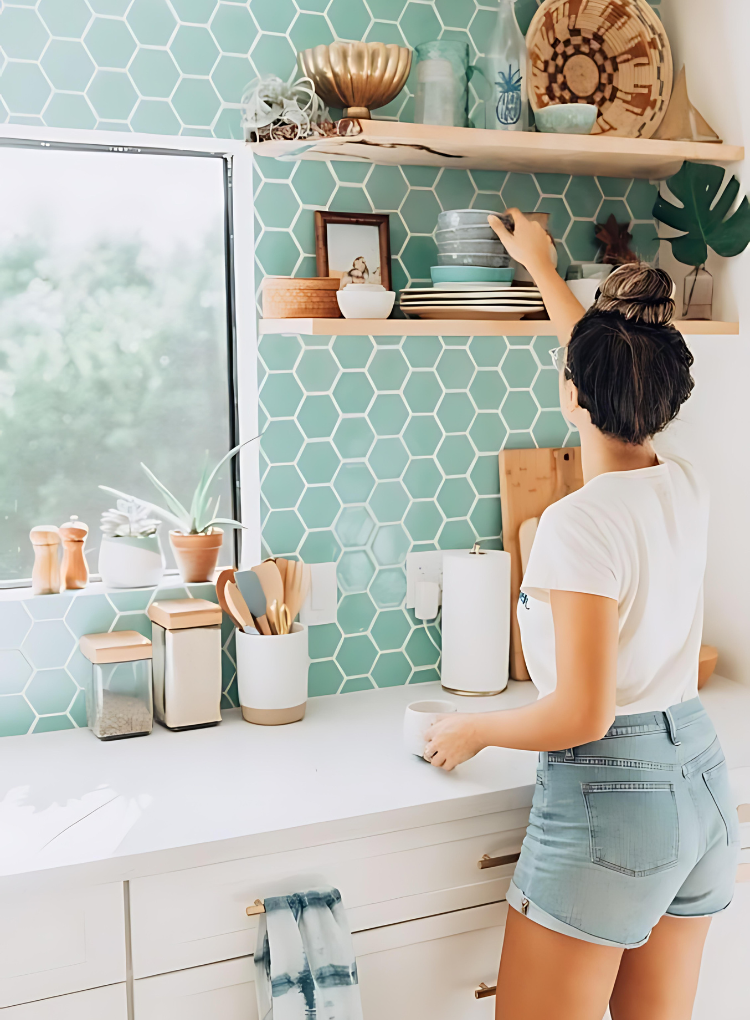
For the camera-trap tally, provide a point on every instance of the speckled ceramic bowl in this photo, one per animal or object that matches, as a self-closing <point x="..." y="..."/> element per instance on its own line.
<point x="567" y="118"/>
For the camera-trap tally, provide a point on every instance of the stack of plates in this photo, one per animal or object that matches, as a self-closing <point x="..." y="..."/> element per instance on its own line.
<point x="478" y="301"/>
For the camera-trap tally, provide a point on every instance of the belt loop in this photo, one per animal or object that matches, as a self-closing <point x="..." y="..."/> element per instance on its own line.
<point x="672" y="728"/>
<point x="569" y="756"/>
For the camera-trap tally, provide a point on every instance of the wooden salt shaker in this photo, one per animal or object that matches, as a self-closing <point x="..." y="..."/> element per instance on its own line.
<point x="75" y="570"/>
<point x="45" y="577"/>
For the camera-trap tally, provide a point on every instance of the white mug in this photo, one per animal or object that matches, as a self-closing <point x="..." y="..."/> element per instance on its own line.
<point x="418" y="718"/>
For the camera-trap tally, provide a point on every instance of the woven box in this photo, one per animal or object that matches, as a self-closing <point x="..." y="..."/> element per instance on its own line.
<point x="289" y="297"/>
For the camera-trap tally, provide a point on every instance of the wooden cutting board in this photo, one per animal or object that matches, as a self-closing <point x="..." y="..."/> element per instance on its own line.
<point x="530" y="480"/>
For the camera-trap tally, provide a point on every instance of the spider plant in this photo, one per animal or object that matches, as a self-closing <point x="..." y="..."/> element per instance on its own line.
<point x="200" y="518"/>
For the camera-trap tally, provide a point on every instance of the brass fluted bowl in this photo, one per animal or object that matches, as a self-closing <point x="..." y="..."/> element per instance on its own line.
<point x="356" y="75"/>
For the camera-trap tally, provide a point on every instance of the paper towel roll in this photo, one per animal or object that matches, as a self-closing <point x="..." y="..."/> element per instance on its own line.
<point x="476" y="621"/>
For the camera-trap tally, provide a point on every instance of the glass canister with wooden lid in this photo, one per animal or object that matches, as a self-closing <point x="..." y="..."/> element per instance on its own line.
<point x="118" y="696"/>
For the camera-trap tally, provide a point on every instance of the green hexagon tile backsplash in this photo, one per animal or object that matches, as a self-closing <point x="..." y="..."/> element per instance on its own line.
<point x="374" y="445"/>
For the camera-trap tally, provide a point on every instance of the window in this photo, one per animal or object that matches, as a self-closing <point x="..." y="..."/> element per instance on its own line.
<point x="116" y="341"/>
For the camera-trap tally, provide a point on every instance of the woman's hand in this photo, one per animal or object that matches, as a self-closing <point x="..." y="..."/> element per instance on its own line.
<point x="529" y="243"/>
<point x="452" y="740"/>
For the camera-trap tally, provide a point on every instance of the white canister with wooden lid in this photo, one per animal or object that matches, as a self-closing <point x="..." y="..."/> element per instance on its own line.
<point x="186" y="638"/>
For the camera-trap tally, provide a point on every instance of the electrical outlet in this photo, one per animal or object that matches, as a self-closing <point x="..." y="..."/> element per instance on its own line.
<point x="320" y="605"/>
<point x="423" y="566"/>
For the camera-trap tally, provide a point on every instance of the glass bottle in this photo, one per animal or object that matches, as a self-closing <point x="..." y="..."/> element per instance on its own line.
<point x="504" y="68"/>
<point x="698" y="294"/>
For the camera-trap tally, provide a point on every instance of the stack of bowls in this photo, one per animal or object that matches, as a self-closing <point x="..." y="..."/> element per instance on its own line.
<point x="465" y="238"/>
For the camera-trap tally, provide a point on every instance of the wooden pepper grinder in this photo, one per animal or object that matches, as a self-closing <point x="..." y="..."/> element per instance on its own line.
<point x="45" y="577"/>
<point x="75" y="571"/>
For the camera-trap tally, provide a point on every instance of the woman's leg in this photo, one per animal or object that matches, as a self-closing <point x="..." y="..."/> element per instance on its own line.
<point x="659" y="980"/>
<point x="545" y="974"/>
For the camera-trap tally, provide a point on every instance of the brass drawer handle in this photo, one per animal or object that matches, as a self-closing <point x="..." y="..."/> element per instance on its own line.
<point x="484" y="991"/>
<point x="258" y="907"/>
<point x="485" y="861"/>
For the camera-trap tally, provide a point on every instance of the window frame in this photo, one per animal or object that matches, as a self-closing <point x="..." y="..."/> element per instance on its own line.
<point x="241" y="323"/>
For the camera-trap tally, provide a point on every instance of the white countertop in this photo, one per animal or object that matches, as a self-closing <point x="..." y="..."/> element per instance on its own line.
<point x="170" y="800"/>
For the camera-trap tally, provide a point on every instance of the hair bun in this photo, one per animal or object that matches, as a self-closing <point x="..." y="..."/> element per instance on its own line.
<point x="639" y="293"/>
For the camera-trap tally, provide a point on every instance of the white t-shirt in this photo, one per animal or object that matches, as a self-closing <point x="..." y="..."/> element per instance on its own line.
<point x="638" y="537"/>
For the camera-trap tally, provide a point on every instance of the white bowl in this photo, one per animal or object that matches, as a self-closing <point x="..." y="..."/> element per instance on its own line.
<point x="356" y="302"/>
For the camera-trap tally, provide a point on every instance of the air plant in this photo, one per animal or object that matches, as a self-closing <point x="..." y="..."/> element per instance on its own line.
<point x="616" y="238"/>
<point x="200" y="518"/>
<point x="130" y="520"/>
<point x="272" y="108"/>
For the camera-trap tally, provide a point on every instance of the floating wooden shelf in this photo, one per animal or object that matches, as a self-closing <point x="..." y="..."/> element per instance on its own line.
<point x="452" y="327"/>
<point x="396" y="142"/>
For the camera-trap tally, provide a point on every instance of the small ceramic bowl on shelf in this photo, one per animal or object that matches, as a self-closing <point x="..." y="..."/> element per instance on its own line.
<point x="470" y="274"/>
<point x="365" y="301"/>
<point x="567" y="118"/>
<point x="473" y="259"/>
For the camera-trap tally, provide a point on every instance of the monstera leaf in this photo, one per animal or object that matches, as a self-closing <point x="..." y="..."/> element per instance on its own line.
<point x="704" y="217"/>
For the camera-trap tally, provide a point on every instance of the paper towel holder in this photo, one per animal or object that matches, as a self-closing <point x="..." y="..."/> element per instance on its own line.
<point x="476" y="550"/>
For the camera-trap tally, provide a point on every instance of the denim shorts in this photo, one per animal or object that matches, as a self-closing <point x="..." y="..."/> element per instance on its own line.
<point x="628" y="828"/>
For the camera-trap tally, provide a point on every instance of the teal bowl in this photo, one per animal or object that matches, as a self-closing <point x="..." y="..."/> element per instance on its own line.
<point x="567" y="118"/>
<point x="470" y="274"/>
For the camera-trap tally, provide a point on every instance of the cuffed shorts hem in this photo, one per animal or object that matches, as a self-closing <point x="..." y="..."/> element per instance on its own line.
<point x="523" y="905"/>
<point x="703" y="913"/>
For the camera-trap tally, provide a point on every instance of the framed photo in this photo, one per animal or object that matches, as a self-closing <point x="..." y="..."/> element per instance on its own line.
<point x="353" y="245"/>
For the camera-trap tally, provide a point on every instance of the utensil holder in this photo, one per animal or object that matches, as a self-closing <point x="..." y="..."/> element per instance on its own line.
<point x="272" y="676"/>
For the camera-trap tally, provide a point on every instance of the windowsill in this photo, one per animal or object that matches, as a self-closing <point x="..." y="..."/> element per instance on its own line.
<point x="170" y="580"/>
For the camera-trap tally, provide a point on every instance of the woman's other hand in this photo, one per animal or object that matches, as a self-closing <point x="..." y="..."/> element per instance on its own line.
<point x="452" y="739"/>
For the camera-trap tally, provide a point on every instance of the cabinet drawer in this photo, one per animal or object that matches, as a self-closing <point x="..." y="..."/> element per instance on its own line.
<point x="429" y="969"/>
<point x="60" y="942"/>
<point x="188" y="918"/>
<point x="419" y="970"/>
<point x="108" y="1003"/>
<point x="225" y="990"/>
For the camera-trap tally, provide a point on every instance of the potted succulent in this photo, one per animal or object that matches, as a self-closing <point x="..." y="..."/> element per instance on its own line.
<point x="195" y="539"/>
<point x="130" y="555"/>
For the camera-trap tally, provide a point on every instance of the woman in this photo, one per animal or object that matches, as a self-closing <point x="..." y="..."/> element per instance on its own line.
<point x="633" y="838"/>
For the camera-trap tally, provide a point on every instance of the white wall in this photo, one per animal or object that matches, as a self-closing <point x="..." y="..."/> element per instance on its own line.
<point x="709" y="37"/>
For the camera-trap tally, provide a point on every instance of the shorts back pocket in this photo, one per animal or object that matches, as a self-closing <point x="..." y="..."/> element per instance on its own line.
<point x="633" y="827"/>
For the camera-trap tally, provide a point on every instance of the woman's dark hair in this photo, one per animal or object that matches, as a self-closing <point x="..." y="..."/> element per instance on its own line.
<point x="630" y="365"/>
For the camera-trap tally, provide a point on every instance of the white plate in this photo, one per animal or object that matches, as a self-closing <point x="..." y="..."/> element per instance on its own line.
<point x="475" y="312"/>
<point x="481" y="298"/>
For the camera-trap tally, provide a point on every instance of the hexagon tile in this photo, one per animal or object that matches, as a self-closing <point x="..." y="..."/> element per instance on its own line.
<point x="374" y="445"/>
<point x="378" y="445"/>
<point x="42" y="672"/>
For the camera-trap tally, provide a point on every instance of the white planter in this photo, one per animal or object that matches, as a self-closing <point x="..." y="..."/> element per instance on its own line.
<point x="131" y="562"/>
<point x="272" y="676"/>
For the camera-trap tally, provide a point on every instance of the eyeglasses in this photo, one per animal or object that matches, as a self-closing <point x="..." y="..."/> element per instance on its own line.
<point x="559" y="357"/>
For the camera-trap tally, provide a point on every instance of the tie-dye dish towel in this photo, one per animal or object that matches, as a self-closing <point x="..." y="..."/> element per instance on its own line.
<point x="304" y="959"/>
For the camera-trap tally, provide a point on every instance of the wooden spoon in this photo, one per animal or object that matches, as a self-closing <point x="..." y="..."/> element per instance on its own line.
<point x="238" y="606"/>
<point x="273" y="617"/>
<point x="227" y="577"/>
<point x="297" y="586"/>
<point x="270" y="582"/>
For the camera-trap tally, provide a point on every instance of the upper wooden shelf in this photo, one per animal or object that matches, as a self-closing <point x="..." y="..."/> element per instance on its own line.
<point x="396" y="142"/>
<point x="453" y="327"/>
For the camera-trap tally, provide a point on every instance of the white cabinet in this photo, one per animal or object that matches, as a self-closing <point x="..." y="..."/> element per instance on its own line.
<point x="194" y="917"/>
<point x="109" y="1003"/>
<point x="413" y="971"/>
<point x="724" y="986"/>
<point x="56" y="943"/>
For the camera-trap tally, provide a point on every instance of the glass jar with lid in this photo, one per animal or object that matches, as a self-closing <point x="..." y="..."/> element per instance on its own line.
<point x="119" y="701"/>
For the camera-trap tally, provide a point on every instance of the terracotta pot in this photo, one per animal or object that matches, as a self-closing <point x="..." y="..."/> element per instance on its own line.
<point x="196" y="555"/>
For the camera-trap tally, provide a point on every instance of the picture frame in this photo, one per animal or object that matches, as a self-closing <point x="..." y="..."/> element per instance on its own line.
<point x="352" y="243"/>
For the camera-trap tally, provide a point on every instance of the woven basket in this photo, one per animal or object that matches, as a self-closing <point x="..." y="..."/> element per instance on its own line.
<point x="295" y="297"/>
<point x="611" y="53"/>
